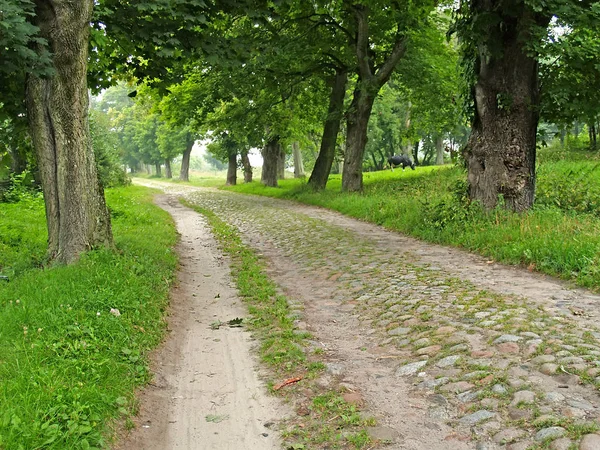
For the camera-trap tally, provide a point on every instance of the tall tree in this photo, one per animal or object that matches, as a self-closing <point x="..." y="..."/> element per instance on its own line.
<point x="503" y="41"/>
<point x="319" y="175"/>
<point x="76" y="213"/>
<point x="379" y="36"/>
<point x="500" y="154"/>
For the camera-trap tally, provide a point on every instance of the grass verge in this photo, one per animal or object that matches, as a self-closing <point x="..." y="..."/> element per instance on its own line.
<point x="326" y="420"/>
<point x="68" y="365"/>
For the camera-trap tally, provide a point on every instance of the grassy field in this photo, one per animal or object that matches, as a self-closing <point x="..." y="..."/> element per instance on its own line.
<point x="74" y="339"/>
<point x="560" y="236"/>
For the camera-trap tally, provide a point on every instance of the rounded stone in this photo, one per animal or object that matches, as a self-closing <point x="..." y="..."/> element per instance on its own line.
<point x="571" y="360"/>
<point x="549" y="368"/>
<point x="446" y="330"/>
<point x="429" y="351"/>
<point x="423" y="342"/>
<point x="580" y="404"/>
<point x="554" y="397"/>
<point x="477" y="417"/>
<point x="458" y="387"/>
<point x="561" y="444"/>
<point x="508" y="435"/>
<point x="518" y="414"/>
<point x="448" y="361"/>
<point x="508" y="347"/>
<point x="550" y="433"/>
<point x="410" y="369"/>
<point x="529" y="334"/>
<point x="499" y="389"/>
<point x="523" y="397"/>
<point x="507" y="338"/>
<point x="400" y="331"/>
<point x="542" y="359"/>
<point x="590" y="442"/>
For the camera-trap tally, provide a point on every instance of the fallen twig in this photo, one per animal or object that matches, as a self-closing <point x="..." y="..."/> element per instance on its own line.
<point x="286" y="382"/>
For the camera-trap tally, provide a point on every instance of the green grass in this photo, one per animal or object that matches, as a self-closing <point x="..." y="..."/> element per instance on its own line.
<point x="560" y="236"/>
<point x="68" y="367"/>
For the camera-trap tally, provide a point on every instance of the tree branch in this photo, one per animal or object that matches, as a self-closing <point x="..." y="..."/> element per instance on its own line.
<point x="385" y="71"/>
<point x="361" y="14"/>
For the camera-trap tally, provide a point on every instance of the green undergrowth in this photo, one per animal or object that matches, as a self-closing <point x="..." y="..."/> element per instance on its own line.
<point x="560" y="236"/>
<point x="332" y="422"/>
<point x="68" y="365"/>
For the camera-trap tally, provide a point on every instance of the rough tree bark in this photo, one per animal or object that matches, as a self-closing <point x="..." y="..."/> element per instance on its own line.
<point x="439" y="150"/>
<point x="270" y="157"/>
<point x="320" y="174"/>
<point x="281" y="163"/>
<point x="501" y="150"/>
<point x="157" y="169"/>
<point x="298" y="164"/>
<point x="184" y="173"/>
<point x="231" y="169"/>
<point x="592" y="135"/>
<point x="57" y="108"/>
<point x="247" y="167"/>
<point x="369" y="83"/>
<point x="168" y="172"/>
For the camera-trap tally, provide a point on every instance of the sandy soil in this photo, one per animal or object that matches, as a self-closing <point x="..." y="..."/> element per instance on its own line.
<point x="207" y="392"/>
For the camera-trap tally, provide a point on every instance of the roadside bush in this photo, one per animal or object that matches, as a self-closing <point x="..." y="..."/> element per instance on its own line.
<point x="108" y="159"/>
<point x="19" y="188"/>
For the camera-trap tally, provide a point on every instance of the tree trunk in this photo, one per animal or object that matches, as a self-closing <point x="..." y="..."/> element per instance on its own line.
<point x="168" y="173"/>
<point x="356" y="139"/>
<point x="298" y="164"/>
<point x="281" y="163"/>
<point x="439" y="150"/>
<point x="57" y="107"/>
<point x="320" y="174"/>
<point x="592" y="135"/>
<point x="415" y="151"/>
<point x="231" y="169"/>
<point x="247" y="167"/>
<point x="370" y="81"/>
<point x="270" y="155"/>
<point x="184" y="173"/>
<point x="157" y="169"/>
<point x="407" y="148"/>
<point x="500" y="153"/>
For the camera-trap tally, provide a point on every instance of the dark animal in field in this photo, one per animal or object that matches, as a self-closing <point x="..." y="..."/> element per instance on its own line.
<point x="400" y="160"/>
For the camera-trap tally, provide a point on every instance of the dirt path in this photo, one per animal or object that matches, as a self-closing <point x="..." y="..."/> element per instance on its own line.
<point x="446" y="350"/>
<point x="206" y="393"/>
